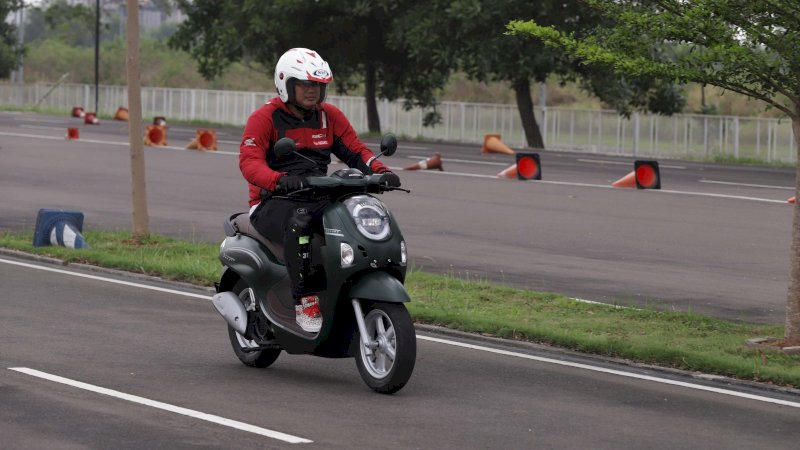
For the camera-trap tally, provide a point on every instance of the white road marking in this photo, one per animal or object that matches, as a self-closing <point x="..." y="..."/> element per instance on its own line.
<point x="465" y="161"/>
<point x="118" y="143"/>
<point x="705" y="194"/>
<point x="42" y="127"/>
<point x="747" y="185"/>
<point x="613" y="372"/>
<point x="165" y="406"/>
<point x="39" y="119"/>
<point x="105" y="279"/>
<point x="473" y="175"/>
<point x="623" y="163"/>
<point x="194" y="131"/>
<point x="461" y="344"/>
<point x="603" y="186"/>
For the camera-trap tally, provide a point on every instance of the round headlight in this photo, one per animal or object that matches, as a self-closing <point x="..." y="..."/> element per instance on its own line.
<point x="370" y="216"/>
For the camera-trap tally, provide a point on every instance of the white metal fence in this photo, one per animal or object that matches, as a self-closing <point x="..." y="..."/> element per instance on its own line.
<point x="684" y="136"/>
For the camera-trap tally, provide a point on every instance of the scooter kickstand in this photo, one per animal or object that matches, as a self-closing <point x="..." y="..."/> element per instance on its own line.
<point x="362" y="328"/>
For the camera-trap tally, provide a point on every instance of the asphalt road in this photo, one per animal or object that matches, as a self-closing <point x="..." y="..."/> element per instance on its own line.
<point x="169" y="350"/>
<point x="715" y="239"/>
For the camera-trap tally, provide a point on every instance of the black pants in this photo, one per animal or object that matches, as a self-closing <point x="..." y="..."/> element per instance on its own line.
<point x="293" y="222"/>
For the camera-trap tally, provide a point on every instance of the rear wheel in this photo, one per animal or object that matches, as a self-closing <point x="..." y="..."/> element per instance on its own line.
<point x="259" y="358"/>
<point x="386" y="361"/>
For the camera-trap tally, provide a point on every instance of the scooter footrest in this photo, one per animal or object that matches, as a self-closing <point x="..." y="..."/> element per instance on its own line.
<point x="263" y="347"/>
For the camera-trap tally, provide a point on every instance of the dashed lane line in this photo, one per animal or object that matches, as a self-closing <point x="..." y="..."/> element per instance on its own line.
<point x="164" y="406"/>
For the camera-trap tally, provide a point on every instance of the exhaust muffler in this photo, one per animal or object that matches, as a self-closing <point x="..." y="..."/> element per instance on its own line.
<point x="232" y="310"/>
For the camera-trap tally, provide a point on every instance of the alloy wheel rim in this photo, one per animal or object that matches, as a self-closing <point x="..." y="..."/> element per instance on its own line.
<point x="379" y="354"/>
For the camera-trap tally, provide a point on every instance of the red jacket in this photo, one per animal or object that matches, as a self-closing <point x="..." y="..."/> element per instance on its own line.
<point x="326" y="130"/>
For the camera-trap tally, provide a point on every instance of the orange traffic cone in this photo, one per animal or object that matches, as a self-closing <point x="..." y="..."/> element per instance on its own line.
<point x="205" y="140"/>
<point x="628" y="181"/>
<point x="510" y="172"/>
<point x="155" y="135"/>
<point x="72" y="133"/>
<point x="77" y="111"/>
<point x="122" y="114"/>
<point x="90" y="118"/>
<point x="493" y="144"/>
<point x="160" y="121"/>
<point x="791" y="200"/>
<point x="645" y="175"/>
<point x="434" y="162"/>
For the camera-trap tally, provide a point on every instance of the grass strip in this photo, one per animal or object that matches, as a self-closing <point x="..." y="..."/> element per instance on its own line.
<point x="686" y="341"/>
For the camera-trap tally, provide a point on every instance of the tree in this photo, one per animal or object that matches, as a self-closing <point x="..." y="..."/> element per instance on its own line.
<point x="473" y="30"/>
<point x="748" y="47"/>
<point x="10" y="53"/>
<point x="360" y="39"/>
<point x="72" y="24"/>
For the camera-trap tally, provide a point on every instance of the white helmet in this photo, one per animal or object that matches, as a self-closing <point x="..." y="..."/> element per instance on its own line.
<point x="300" y="64"/>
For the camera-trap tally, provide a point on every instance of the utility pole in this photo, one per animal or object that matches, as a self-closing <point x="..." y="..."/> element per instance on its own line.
<point x="97" y="59"/>
<point x="21" y="36"/>
<point x="138" y="192"/>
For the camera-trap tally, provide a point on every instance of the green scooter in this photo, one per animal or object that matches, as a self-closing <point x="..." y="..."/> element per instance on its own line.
<point x="364" y="258"/>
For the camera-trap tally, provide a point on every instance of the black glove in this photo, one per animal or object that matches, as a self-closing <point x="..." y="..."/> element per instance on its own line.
<point x="390" y="179"/>
<point x="291" y="183"/>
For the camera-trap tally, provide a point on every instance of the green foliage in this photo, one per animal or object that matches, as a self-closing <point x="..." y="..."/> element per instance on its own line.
<point x="472" y="31"/>
<point x="157" y="255"/>
<point x="10" y="53"/>
<point x="363" y="41"/>
<point x="752" y="48"/>
<point x="47" y="59"/>
<point x="74" y="25"/>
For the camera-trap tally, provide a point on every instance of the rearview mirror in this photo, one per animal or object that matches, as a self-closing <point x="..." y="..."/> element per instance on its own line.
<point x="284" y="147"/>
<point x="388" y="144"/>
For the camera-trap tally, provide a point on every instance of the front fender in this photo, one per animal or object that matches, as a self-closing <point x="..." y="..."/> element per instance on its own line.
<point x="379" y="286"/>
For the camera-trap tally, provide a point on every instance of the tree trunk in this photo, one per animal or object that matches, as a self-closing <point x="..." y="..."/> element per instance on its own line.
<point x="793" y="297"/>
<point x="141" y="218"/>
<point x="525" y="106"/>
<point x="373" y="119"/>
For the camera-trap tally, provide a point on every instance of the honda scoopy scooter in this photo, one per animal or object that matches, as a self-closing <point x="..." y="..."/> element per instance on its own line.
<point x="364" y="259"/>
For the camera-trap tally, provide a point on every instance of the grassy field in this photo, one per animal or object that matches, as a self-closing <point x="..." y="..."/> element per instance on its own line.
<point x="652" y="336"/>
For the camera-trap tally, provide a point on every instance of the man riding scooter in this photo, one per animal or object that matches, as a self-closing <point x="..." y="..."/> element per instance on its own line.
<point x="319" y="129"/>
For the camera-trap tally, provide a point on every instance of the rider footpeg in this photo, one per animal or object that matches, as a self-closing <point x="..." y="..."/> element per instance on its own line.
<point x="261" y="347"/>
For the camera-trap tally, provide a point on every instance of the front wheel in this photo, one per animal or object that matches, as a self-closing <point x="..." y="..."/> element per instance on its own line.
<point x="260" y="358"/>
<point x="386" y="361"/>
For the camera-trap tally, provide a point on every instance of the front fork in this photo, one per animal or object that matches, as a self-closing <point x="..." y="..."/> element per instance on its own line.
<point x="369" y="346"/>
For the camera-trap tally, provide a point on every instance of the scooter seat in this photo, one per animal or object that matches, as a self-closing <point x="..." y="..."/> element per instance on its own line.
<point x="242" y="224"/>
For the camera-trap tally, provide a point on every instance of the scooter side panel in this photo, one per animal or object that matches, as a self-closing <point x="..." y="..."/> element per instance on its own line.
<point x="248" y="258"/>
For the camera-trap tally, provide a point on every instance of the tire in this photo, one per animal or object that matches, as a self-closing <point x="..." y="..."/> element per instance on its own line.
<point x="260" y="359"/>
<point x="391" y="330"/>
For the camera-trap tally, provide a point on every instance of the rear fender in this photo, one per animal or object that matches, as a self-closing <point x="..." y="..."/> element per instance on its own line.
<point x="228" y="280"/>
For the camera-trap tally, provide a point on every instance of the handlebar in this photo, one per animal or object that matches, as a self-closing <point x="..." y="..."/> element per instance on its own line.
<point x="330" y="184"/>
